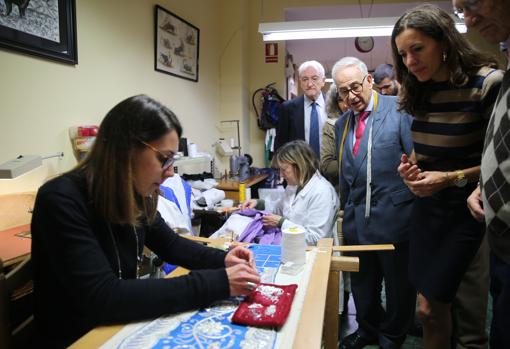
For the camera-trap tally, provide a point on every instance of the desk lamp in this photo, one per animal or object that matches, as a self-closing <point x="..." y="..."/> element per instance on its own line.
<point x="23" y="164"/>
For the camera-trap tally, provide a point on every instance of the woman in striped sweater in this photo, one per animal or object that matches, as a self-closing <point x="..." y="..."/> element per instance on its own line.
<point x="450" y="89"/>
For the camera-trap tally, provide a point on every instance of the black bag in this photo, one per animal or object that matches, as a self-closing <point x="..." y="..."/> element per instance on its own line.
<point x="268" y="100"/>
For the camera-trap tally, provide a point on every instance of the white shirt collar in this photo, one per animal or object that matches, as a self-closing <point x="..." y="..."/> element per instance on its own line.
<point x="319" y="100"/>
<point x="370" y="105"/>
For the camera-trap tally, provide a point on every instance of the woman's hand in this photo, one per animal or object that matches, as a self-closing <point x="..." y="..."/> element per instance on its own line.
<point x="249" y="204"/>
<point x="474" y="203"/>
<point x="271" y="220"/>
<point x="242" y="279"/>
<point x="427" y="183"/>
<point x="239" y="255"/>
<point x="407" y="170"/>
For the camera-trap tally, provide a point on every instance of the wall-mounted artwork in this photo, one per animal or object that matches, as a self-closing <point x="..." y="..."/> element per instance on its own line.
<point x="45" y="28"/>
<point x="176" y="45"/>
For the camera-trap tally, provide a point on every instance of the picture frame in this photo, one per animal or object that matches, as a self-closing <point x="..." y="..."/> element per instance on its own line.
<point x="176" y="45"/>
<point x="44" y="28"/>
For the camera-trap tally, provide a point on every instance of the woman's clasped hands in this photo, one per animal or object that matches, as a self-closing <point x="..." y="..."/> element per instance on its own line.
<point x="421" y="183"/>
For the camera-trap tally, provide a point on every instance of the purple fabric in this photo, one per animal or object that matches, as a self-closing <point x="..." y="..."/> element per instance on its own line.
<point x="256" y="232"/>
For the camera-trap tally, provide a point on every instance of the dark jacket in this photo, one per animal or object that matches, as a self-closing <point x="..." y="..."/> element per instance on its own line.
<point x="76" y="267"/>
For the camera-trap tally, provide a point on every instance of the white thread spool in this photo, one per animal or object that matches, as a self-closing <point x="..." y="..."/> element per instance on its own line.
<point x="293" y="245"/>
<point x="192" y="150"/>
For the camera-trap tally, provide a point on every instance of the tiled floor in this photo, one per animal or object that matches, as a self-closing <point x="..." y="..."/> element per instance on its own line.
<point x="349" y="325"/>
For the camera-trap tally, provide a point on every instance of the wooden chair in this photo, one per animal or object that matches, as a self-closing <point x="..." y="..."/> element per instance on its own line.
<point x="16" y="306"/>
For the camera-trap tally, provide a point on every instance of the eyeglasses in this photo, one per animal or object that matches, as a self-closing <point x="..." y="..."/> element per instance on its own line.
<point x="468" y="5"/>
<point x="356" y="88"/>
<point x="315" y="79"/>
<point x="166" y="160"/>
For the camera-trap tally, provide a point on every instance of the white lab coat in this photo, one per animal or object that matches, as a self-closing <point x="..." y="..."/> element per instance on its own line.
<point x="313" y="209"/>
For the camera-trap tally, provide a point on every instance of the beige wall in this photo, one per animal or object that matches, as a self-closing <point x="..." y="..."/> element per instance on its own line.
<point x="41" y="99"/>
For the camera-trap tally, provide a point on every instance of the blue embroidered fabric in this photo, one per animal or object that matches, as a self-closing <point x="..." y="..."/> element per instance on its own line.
<point x="211" y="327"/>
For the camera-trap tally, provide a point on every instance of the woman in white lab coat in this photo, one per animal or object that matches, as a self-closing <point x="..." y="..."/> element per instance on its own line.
<point x="309" y="201"/>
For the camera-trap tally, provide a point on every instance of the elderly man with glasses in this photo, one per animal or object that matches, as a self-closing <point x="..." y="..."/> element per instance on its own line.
<point x="303" y="117"/>
<point x="371" y="138"/>
<point x="491" y="200"/>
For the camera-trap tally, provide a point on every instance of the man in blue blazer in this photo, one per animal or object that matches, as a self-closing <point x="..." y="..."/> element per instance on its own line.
<point x="371" y="137"/>
<point x="295" y="120"/>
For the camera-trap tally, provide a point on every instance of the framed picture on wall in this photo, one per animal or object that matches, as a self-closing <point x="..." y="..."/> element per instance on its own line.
<point x="45" y="28"/>
<point x="176" y="43"/>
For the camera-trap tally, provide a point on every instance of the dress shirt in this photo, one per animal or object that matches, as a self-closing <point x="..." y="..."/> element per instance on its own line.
<point x="369" y="108"/>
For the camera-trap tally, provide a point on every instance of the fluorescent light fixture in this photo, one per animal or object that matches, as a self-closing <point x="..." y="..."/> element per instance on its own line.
<point x="23" y="164"/>
<point x="332" y="28"/>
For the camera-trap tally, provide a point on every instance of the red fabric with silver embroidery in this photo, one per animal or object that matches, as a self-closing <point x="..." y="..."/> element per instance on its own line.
<point x="267" y="306"/>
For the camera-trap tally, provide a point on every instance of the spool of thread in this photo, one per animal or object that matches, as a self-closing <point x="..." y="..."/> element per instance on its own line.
<point x="192" y="150"/>
<point x="293" y="245"/>
<point x="242" y="192"/>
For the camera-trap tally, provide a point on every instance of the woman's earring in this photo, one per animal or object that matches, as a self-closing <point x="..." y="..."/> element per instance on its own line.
<point x="444" y="56"/>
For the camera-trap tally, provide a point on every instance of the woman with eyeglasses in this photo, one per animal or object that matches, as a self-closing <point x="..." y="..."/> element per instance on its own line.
<point x="90" y="226"/>
<point x="335" y="106"/>
<point x="450" y="88"/>
<point x="309" y="201"/>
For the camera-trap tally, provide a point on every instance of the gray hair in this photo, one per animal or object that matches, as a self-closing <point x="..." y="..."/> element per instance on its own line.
<point x="312" y="64"/>
<point x="332" y="108"/>
<point x="349" y="61"/>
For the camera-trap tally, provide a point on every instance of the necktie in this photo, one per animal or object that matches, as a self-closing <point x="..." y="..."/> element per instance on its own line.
<point x="360" y="128"/>
<point x="314" y="131"/>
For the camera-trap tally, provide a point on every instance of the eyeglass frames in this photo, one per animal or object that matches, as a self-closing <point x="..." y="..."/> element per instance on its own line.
<point x="355" y="88"/>
<point x="166" y="160"/>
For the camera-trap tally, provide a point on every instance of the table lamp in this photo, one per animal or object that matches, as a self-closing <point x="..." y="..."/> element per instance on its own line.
<point x="23" y="164"/>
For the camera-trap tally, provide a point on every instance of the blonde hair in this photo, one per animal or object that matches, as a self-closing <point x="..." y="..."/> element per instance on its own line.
<point x="301" y="157"/>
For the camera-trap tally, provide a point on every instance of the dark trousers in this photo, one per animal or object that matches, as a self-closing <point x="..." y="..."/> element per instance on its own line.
<point x="469" y="308"/>
<point x="391" y="325"/>
<point x="500" y="291"/>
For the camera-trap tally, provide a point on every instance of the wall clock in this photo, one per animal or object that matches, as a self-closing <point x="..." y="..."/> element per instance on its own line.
<point x="364" y="43"/>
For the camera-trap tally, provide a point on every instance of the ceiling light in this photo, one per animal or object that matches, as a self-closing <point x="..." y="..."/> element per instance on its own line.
<point x="332" y="28"/>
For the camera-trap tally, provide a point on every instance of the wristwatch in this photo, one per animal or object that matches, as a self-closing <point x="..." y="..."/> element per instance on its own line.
<point x="460" y="179"/>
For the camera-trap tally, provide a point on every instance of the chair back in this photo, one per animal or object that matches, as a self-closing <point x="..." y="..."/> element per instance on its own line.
<point x="16" y="306"/>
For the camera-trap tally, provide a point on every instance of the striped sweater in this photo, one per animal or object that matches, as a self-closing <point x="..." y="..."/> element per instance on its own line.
<point x="449" y="136"/>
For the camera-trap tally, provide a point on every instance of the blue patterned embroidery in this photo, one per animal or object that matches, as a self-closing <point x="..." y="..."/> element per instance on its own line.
<point x="211" y="327"/>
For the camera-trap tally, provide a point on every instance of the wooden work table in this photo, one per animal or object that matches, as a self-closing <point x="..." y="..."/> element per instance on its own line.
<point x="15" y="244"/>
<point x="231" y="186"/>
<point x="310" y="323"/>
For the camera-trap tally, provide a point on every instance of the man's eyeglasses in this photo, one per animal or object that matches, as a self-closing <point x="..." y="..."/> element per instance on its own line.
<point x="468" y="5"/>
<point x="356" y="88"/>
<point x="166" y="160"/>
<point x="315" y="79"/>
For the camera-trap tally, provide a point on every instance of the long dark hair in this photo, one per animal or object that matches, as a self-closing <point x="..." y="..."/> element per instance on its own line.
<point x="462" y="59"/>
<point x="109" y="165"/>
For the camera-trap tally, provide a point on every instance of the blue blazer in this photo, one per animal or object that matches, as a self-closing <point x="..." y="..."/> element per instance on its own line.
<point x="391" y="199"/>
